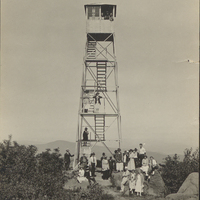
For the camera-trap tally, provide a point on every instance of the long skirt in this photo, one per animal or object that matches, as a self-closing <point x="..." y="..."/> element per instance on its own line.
<point x="145" y="169"/>
<point x="132" y="184"/>
<point x="138" y="185"/>
<point x="106" y="174"/>
<point x="131" y="164"/>
<point x="119" y="166"/>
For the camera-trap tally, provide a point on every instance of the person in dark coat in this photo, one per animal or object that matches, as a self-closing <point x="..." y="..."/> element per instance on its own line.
<point x="67" y="159"/>
<point x="111" y="162"/>
<point x="85" y="136"/>
<point x="97" y="98"/>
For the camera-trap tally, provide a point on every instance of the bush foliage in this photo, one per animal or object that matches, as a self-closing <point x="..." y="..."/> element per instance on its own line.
<point x="175" y="171"/>
<point x="24" y="174"/>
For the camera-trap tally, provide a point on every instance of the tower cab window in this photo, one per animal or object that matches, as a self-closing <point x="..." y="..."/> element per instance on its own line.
<point x="94" y="12"/>
<point x="98" y="12"/>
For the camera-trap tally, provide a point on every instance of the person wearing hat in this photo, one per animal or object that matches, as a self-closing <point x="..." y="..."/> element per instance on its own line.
<point x="89" y="176"/>
<point x="93" y="163"/>
<point x="67" y="159"/>
<point x="145" y="165"/>
<point x="125" y="178"/>
<point x="131" y="163"/>
<point x="142" y="152"/>
<point x="97" y="99"/>
<point x="152" y="165"/>
<point x="85" y="136"/>
<point x="119" y="160"/>
<point x="132" y="181"/>
<point x="105" y="168"/>
<point x="83" y="161"/>
<point x="136" y="155"/>
<point x="125" y="158"/>
<point x="81" y="175"/>
<point x="139" y="182"/>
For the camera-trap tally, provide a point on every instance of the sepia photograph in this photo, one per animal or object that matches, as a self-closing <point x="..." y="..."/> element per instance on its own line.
<point x="99" y="100"/>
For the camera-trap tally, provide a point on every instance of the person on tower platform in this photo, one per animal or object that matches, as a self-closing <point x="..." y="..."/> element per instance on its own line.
<point x="97" y="100"/>
<point x="106" y="15"/>
<point x="67" y="159"/>
<point x="92" y="163"/>
<point x="111" y="17"/>
<point x="85" y="136"/>
<point x="142" y="152"/>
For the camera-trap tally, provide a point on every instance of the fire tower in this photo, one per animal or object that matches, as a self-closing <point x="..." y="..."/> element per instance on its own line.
<point x="99" y="97"/>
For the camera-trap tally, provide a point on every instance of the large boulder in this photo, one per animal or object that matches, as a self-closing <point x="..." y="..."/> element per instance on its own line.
<point x="156" y="185"/>
<point x="116" y="179"/>
<point x="190" y="185"/>
<point x="189" y="189"/>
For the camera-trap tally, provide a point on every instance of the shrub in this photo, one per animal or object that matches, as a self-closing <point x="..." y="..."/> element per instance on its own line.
<point x="175" y="171"/>
<point x="25" y="175"/>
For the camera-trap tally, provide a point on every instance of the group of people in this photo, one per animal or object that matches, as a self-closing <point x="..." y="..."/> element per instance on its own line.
<point x="137" y="168"/>
<point x="87" y="101"/>
<point x="134" y="163"/>
<point x="107" y="16"/>
<point x="87" y="167"/>
<point x="135" y="179"/>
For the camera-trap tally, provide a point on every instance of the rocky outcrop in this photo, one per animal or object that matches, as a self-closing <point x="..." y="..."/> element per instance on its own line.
<point x="190" y="185"/>
<point x="156" y="185"/>
<point x="189" y="189"/>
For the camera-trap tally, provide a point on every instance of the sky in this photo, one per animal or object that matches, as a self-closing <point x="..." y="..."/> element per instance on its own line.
<point x="43" y="44"/>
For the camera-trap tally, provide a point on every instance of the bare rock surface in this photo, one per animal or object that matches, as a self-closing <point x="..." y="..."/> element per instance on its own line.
<point x="190" y="185"/>
<point x="156" y="185"/>
<point x="189" y="189"/>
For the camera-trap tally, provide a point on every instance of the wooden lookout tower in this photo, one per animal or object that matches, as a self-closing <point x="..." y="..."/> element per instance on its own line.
<point x="99" y="97"/>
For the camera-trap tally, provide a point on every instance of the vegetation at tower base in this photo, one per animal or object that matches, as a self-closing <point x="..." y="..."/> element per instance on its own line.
<point x="24" y="174"/>
<point x="175" y="171"/>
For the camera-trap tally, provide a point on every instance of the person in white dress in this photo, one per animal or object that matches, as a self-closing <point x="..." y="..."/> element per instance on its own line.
<point x="81" y="177"/>
<point x="131" y="163"/>
<point x="132" y="182"/>
<point x="139" y="183"/>
<point x="145" y="165"/>
<point x="125" y="178"/>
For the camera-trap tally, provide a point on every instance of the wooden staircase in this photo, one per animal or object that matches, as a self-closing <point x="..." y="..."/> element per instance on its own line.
<point x="99" y="127"/>
<point x="101" y="76"/>
<point x="91" y="50"/>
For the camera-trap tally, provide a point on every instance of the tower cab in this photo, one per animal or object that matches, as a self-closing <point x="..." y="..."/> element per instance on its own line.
<point x="100" y="18"/>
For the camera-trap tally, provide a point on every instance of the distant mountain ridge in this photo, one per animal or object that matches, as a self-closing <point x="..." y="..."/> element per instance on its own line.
<point x="63" y="145"/>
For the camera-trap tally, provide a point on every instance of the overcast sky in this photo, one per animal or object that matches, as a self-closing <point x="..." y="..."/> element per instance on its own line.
<point x="43" y="43"/>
